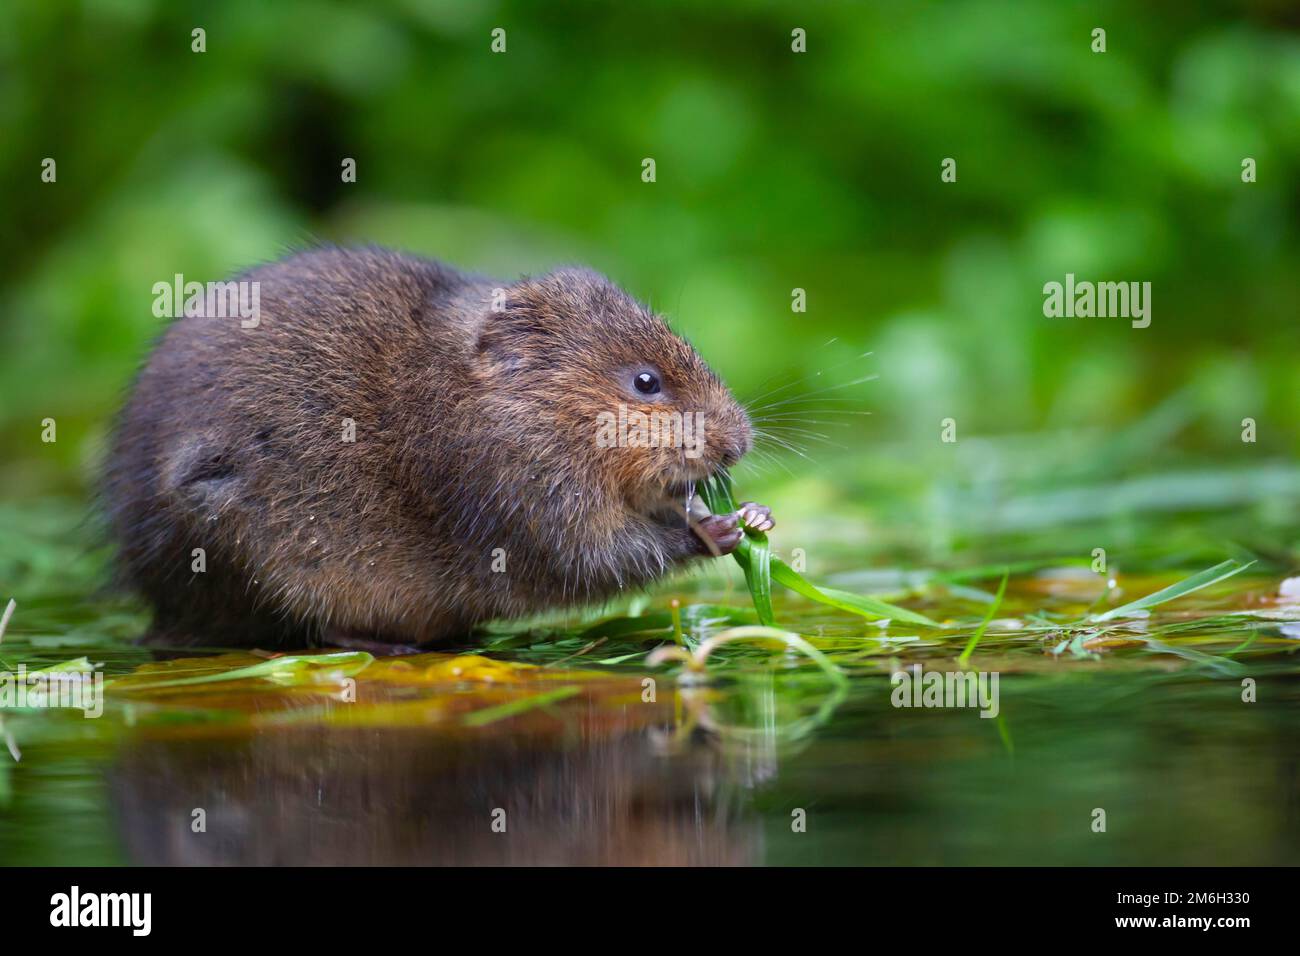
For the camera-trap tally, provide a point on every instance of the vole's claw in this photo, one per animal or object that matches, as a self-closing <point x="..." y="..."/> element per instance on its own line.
<point x="718" y="534"/>
<point x="756" y="516"/>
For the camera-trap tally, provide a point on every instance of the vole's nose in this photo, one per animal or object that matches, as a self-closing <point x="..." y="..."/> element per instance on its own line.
<point x="732" y="447"/>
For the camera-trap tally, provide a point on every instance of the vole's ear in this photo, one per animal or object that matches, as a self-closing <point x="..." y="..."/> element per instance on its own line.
<point x="523" y="320"/>
<point x="201" y="472"/>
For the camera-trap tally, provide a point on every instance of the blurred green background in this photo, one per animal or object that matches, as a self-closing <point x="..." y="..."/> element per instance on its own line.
<point x="775" y="170"/>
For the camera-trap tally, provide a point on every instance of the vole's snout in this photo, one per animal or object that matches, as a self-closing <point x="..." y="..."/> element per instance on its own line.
<point x="734" y="447"/>
<point x="731" y="439"/>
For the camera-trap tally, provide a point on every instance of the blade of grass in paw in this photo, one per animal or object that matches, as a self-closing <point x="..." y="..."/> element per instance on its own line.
<point x="716" y="493"/>
<point x="758" y="573"/>
<point x="753" y="554"/>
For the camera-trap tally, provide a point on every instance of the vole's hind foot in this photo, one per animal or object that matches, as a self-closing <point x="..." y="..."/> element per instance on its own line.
<point x="756" y="516"/>
<point x="717" y="534"/>
<point x="354" y="641"/>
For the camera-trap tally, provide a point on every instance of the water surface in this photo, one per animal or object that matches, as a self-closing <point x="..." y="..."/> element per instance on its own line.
<point x="766" y="762"/>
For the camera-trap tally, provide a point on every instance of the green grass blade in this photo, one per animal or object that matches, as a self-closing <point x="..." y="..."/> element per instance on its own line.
<point x="716" y="494"/>
<point x="758" y="575"/>
<point x="788" y="638"/>
<point x="753" y="554"/>
<point x="288" y="669"/>
<point x="754" y="550"/>
<point x="964" y="658"/>
<point x="490" y="715"/>
<point x="623" y="626"/>
<point x="843" y="600"/>
<point x="1201" y="579"/>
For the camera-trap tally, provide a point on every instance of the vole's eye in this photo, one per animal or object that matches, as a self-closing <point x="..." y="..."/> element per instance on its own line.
<point x="647" y="383"/>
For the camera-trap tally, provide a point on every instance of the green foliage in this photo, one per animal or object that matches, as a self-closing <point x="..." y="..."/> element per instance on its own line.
<point x="776" y="171"/>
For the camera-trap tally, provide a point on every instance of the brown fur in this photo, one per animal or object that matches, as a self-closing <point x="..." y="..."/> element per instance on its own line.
<point x="475" y="430"/>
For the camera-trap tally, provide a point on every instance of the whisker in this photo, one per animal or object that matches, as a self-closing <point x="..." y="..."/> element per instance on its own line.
<point x="801" y="410"/>
<point x="788" y="423"/>
<point x="788" y="446"/>
<point x="817" y="374"/>
<point x="785" y="422"/>
<point x="820" y="391"/>
<point x="803" y="444"/>
<point x="831" y="341"/>
<point x="798" y="431"/>
<point x="763" y="459"/>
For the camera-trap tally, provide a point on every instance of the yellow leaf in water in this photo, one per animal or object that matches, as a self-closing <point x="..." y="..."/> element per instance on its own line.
<point x="354" y="689"/>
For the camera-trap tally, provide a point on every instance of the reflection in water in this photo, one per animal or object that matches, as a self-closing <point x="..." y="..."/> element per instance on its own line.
<point x="1153" y="731"/>
<point x="600" y="777"/>
<point x="587" y="791"/>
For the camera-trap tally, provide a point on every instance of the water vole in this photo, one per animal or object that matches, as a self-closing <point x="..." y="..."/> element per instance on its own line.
<point x="394" y="450"/>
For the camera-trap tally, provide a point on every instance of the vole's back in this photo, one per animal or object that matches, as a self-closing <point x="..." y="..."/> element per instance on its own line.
<point x="254" y="481"/>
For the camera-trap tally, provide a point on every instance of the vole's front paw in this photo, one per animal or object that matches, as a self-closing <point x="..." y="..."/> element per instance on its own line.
<point x="718" y="534"/>
<point x="758" y="517"/>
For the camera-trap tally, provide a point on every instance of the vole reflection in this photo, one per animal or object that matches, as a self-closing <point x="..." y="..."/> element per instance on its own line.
<point x="632" y="790"/>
